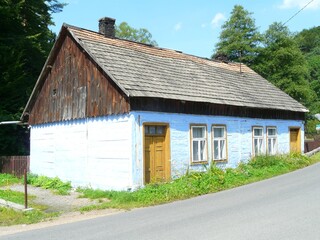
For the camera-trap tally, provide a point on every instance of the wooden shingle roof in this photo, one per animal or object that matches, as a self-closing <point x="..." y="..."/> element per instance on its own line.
<point x="145" y="71"/>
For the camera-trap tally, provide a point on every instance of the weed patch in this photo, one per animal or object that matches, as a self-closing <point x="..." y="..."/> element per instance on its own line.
<point x="54" y="184"/>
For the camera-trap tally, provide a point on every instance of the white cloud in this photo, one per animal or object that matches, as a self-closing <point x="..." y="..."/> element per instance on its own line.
<point x="315" y="4"/>
<point x="178" y="26"/>
<point x="217" y="19"/>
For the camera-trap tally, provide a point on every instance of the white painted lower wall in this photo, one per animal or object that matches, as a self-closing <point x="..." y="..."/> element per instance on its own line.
<point x="93" y="152"/>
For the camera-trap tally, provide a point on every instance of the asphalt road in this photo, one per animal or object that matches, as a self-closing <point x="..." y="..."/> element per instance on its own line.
<point x="285" y="207"/>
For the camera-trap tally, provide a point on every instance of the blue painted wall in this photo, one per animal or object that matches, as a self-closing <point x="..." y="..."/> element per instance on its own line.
<point x="239" y="139"/>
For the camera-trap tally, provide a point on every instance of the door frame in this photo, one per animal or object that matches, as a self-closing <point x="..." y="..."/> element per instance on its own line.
<point x="167" y="148"/>
<point x="298" y="140"/>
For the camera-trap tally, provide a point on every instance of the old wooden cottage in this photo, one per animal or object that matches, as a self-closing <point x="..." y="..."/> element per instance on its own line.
<point x="115" y="114"/>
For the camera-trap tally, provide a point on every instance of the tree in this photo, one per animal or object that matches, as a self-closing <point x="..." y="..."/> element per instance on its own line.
<point x="141" y="35"/>
<point x="308" y="39"/>
<point x="282" y="63"/>
<point x="309" y="43"/>
<point x="24" y="45"/>
<point x="239" y="38"/>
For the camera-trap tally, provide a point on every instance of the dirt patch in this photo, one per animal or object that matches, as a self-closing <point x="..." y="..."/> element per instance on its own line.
<point x="54" y="202"/>
<point x="67" y="205"/>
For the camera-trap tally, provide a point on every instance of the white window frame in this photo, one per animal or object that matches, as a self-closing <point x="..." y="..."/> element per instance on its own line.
<point x="198" y="140"/>
<point x="260" y="140"/>
<point x="222" y="155"/>
<point x="274" y="139"/>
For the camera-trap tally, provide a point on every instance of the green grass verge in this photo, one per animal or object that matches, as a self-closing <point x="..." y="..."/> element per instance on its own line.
<point x="8" y="179"/>
<point x="13" y="196"/>
<point x="11" y="217"/>
<point x="199" y="183"/>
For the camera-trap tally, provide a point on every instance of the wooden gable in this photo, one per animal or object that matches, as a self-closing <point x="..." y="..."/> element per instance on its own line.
<point x="74" y="87"/>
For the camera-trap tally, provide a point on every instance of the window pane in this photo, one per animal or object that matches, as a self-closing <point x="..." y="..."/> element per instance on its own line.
<point x="271" y="132"/>
<point x="274" y="142"/>
<point x="270" y="146"/>
<point x="146" y="129"/>
<point x="255" y="143"/>
<point x="195" y="151"/>
<point x="203" y="150"/>
<point x="216" y="149"/>
<point x="218" y="132"/>
<point x="198" y="132"/>
<point x="260" y="145"/>
<point x="257" y="132"/>
<point x="160" y="129"/>
<point x="152" y="130"/>
<point x="222" y="149"/>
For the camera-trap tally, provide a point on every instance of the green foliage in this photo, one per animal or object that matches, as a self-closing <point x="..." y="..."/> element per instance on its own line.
<point x="8" y="179"/>
<point x="291" y="62"/>
<point x="309" y="43"/>
<point x="24" y="45"/>
<point x="9" y="216"/>
<point x="142" y="35"/>
<point x="55" y="184"/>
<point x="239" y="38"/>
<point x="283" y="64"/>
<point x="199" y="183"/>
<point x="310" y="127"/>
<point x="308" y="39"/>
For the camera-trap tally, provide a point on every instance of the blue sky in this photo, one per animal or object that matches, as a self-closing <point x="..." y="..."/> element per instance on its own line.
<point x="190" y="26"/>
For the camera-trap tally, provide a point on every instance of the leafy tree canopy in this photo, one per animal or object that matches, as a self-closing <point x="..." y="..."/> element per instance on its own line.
<point x="141" y="35"/>
<point x="309" y="40"/>
<point x="239" y="39"/>
<point x="24" y="45"/>
<point x="282" y="63"/>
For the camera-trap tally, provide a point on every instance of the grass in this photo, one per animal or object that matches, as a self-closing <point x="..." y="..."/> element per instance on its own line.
<point x="8" y="179"/>
<point x="11" y="217"/>
<point x="13" y="196"/>
<point x="55" y="184"/>
<point x="199" y="183"/>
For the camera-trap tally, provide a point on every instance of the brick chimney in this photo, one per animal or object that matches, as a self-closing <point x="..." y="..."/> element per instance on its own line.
<point x="106" y="27"/>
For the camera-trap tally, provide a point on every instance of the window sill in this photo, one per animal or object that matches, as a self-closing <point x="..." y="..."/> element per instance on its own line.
<point x="221" y="161"/>
<point x="199" y="163"/>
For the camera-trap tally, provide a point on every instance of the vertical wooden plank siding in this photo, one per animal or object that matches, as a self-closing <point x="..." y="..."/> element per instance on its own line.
<point x="14" y="165"/>
<point x="75" y="87"/>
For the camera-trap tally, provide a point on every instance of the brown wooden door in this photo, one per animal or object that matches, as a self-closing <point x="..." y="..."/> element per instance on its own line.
<point x="154" y="159"/>
<point x="295" y="143"/>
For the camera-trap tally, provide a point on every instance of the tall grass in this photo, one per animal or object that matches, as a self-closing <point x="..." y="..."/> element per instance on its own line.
<point x="199" y="183"/>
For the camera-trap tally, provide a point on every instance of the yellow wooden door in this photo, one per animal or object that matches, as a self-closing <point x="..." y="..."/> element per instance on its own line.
<point x="295" y="145"/>
<point x="154" y="159"/>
